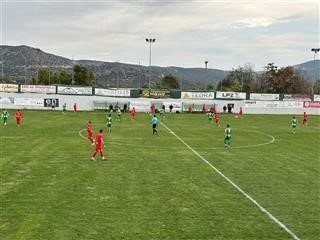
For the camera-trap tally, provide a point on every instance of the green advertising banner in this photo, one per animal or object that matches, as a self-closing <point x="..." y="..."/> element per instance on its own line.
<point x="154" y="93"/>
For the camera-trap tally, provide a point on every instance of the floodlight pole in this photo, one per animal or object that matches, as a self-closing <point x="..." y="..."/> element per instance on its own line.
<point x="38" y="55"/>
<point x="150" y="41"/>
<point x="205" y="80"/>
<point x="315" y="50"/>
<point x="2" y="74"/>
<point x="72" y="72"/>
<point x="139" y="77"/>
<point x="25" y="69"/>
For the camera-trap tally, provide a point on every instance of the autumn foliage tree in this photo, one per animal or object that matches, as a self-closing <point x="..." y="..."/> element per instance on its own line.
<point x="285" y="80"/>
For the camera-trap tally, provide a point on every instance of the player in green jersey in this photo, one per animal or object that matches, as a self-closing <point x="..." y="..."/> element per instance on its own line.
<point x="109" y="123"/>
<point x="161" y="113"/>
<point x="64" y="108"/>
<point x="294" y="124"/>
<point x="5" y="115"/>
<point x="227" y="138"/>
<point x="119" y="114"/>
<point x="209" y="117"/>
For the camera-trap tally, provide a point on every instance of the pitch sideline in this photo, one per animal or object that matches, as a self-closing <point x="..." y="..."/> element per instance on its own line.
<point x="262" y="209"/>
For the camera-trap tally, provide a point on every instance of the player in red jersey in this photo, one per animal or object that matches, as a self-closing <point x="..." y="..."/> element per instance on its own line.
<point x="152" y="109"/>
<point x="75" y="108"/>
<point x="133" y="113"/>
<point x="216" y="118"/>
<point x="305" y="119"/>
<point x="18" y="117"/>
<point x="90" y="132"/>
<point x="240" y="113"/>
<point x="99" y="144"/>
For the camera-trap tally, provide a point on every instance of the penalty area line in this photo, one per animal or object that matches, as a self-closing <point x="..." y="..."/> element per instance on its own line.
<point x="261" y="208"/>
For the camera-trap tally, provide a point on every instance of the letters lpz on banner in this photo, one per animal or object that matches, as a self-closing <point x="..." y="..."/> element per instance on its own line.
<point x="231" y="95"/>
<point x="154" y="94"/>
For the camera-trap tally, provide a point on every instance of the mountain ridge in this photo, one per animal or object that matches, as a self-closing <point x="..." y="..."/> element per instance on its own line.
<point x="20" y="63"/>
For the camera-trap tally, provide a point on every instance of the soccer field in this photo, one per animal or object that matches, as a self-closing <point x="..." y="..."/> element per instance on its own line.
<point x="169" y="186"/>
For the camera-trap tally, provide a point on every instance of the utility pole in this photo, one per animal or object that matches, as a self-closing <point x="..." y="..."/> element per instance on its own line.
<point x="150" y="41"/>
<point x="72" y="72"/>
<point x="315" y="50"/>
<point x="25" y="69"/>
<point x="205" y="80"/>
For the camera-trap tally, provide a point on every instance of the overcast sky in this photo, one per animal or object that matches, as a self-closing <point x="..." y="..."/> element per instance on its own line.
<point x="225" y="33"/>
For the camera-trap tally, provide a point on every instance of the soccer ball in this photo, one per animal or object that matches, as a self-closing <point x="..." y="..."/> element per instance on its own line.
<point x="236" y="116"/>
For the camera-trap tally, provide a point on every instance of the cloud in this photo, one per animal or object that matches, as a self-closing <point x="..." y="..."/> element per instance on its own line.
<point x="253" y="22"/>
<point x="187" y="32"/>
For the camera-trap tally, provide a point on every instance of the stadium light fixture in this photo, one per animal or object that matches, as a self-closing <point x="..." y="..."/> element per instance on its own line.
<point x="315" y="51"/>
<point x="25" y="64"/>
<point x="205" y="80"/>
<point x="150" y="41"/>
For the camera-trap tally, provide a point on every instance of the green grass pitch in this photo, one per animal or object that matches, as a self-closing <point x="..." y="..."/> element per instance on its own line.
<point x="154" y="187"/>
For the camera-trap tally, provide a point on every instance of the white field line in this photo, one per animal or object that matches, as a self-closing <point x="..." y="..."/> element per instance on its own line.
<point x="119" y="142"/>
<point x="262" y="209"/>
<point x="80" y="134"/>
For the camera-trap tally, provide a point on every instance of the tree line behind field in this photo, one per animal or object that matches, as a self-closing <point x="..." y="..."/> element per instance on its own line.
<point x="272" y="80"/>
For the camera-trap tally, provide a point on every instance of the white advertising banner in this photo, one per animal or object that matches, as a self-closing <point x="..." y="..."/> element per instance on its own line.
<point x="4" y="87"/>
<point x="197" y="95"/>
<point x="316" y="97"/>
<point x="264" y="96"/>
<point x="75" y="90"/>
<point x="231" y="95"/>
<point x="112" y="92"/>
<point x="7" y="100"/>
<point x="296" y="97"/>
<point x="29" y="102"/>
<point x="37" y="89"/>
<point x="273" y="104"/>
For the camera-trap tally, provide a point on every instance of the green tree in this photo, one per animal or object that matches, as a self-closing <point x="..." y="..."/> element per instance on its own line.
<point x="169" y="82"/>
<point x="83" y="76"/>
<point x="239" y="79"/>
<point x="316" y="87"/>
<point x="64" y="78"/>
<point x="210" y="87"/>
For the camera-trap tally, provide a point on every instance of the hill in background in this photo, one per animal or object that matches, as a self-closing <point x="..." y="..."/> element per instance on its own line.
<point x="20" y="63"/>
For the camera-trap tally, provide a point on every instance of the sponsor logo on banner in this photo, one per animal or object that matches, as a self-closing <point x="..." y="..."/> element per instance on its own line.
<point x="37" y="89"/>
<point x="309" y="104"/>
<point x="197" y="95"/>
<point x="9" y="87"/>
<point x="316" y="97"/>
<point x="154" y="94"/>
<point x="231" y="95"/>
<point x="292" y="104"/>
<point x="296" y="97"/>
<point x="249" y="103"/>
<point x="6" y="100"/>
<point x="75" y="90"/>
<point x="28" y="101"/>
<point x="51" y="102"/>
<point x="264" y="96"/>
<point x="112" y="92"/>
<point x="273" y="104"/>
